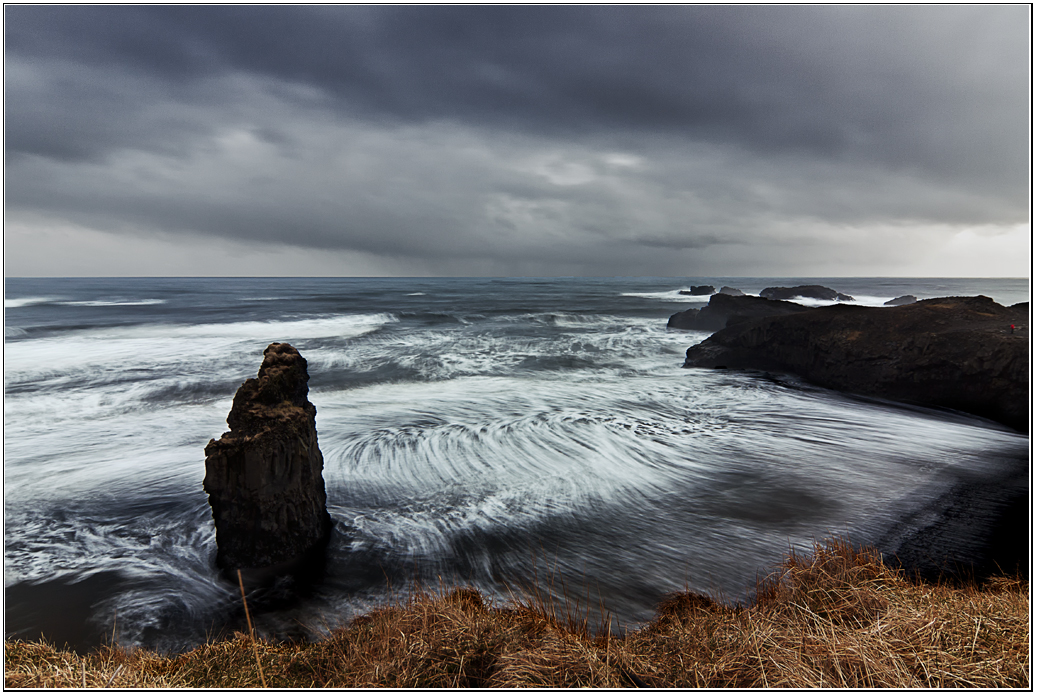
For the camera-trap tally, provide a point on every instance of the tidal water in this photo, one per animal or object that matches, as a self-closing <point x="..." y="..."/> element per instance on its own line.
<point x="486" y="432"/>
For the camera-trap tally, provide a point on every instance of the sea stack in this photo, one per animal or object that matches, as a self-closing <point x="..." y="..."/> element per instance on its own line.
<point x="264" y="477"/>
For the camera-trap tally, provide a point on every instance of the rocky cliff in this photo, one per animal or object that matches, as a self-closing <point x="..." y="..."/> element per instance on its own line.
<point x="727" y="310"/>
<point x="264" y="477"/>
<point x="953" y="352"/>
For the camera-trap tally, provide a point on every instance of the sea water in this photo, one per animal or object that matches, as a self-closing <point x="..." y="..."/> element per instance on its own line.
<point x="495" y="433"/>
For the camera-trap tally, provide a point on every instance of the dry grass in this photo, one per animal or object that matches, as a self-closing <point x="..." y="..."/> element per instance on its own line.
<point x="839" y="618"/>
<point x="842" y="619"/>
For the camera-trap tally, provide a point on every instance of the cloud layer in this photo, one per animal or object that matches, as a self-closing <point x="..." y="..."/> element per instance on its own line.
<point x="611" y="140"/>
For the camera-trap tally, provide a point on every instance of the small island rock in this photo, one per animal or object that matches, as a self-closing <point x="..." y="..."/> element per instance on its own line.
<point x="264" y="477"/>
<point x="699" y="290"/>
<point x="811" y="292"/>
<point x="902" y="300"/>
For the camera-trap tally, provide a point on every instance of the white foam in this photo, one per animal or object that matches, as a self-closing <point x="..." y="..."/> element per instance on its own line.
<point x="501" y="433"/>
<point x="642" y="343"/>
<point x="341" y="326"/>
<point x="567" y="319"/>
<point x="859" y="300"/>
<point x="872" y="301"/>
<point x="27" y="301"/>
<point x="155" y="346"/>
<point x="414" y="294"/>
<point x="668" y="296"/>
<point x="111" y="303"/>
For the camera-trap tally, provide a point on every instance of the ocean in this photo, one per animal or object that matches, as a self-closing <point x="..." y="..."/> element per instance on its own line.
<point x="498" y="433"/>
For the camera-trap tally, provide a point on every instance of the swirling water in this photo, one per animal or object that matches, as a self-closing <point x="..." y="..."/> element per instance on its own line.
<point x="487" y="432"/>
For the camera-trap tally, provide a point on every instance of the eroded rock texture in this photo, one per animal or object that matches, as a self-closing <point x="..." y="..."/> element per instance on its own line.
<point x="264" y="477"/>
<point x="965" y="353"/>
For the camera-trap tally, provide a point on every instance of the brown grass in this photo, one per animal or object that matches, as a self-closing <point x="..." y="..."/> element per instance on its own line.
<point x="839" y="618"/>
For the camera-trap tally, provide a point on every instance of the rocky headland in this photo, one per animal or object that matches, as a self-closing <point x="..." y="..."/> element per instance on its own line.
<point x="264" y="477"/>
<point x="964" y="353"/>
<point x="954" y="352"/>
<point x="726" y="310"/>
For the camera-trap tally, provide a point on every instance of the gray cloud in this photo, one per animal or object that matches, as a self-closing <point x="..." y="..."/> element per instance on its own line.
<point x="589" y="139"/>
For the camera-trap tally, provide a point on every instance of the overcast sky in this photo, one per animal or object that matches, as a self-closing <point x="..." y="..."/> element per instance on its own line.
<point x="578" y="140"/>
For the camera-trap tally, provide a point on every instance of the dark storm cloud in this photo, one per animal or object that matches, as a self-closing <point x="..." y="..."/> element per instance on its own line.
<point x="733" y="113"/>
<point x="827" y="80"/>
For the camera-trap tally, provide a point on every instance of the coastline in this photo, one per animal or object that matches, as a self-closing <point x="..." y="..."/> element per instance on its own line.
<point x="840" y="618"/>
<point x="923" y="535"/>
<point x="967" y="353"/>
<point x="978" y="529"/>
<point x="964" y="353"/>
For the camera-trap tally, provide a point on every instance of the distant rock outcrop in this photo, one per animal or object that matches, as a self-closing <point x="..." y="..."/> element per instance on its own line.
<point x="728" y="290"/>
<point x="965" y="353"/>
<point x="727" y="310"/>
<point x="811" y="292"/>
<point x="264" y="477"/>
<point x="699" y="290"/>
<point x="902" y="300"/>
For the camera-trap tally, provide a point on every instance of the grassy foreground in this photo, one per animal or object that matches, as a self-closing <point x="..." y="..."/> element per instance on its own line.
<point x="839" y="618"/>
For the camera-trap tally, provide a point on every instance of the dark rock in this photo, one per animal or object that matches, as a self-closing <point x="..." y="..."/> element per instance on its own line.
<point x="902" y="300"/>
<point x="699" y="290"/>
<point x="728" y="290"/>
<point x="812" y="292"/>
<point x="951" y="352"/>
<point x="264" y="477"/>
<point x="727" y="310"/>
<point x="687" y="320"/>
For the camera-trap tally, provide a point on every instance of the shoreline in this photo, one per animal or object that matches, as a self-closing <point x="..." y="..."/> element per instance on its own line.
<point x="838" y="618"/>
<point x="977" y="530"/>
<point x="918" y="546"/>
<point x="981" y="529"/>
<point x="968" y="354"/>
